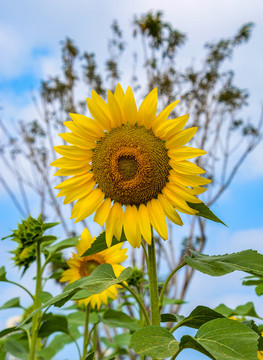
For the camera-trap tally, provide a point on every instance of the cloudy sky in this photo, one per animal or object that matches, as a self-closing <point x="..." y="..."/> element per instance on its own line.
<point x="30" y="34"/>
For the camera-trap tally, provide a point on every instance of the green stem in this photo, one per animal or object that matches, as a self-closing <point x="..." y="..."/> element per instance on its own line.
<point x="167" y="281"/>
<point x="22" y="287"/>
<point x="175" y="327"/>
<point x="139" y="301"/>
<point x="86" y="332"/>
<point x="36" y="304"/>
<point x="152" y="275"/>
<point x="175" y="355"/>
<point x="95" y="335"/>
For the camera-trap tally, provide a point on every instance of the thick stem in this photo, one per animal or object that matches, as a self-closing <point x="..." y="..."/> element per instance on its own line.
<point x="152" y="275"/>
<point x="36" y="304"/>
<point x="86" y="332"/>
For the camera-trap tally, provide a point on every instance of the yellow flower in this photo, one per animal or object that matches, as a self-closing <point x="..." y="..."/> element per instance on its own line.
<point x="83" y="266"/>
<point x="130" y="166"/>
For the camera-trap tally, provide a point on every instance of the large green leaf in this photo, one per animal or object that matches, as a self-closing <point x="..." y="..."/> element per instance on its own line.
<point x="223" y="339"/>
<point x="114" y="318"/>
<point x="101" y="278"/>
<point x="100" y="244"/>
<point x="247" y="309"/>
<point x="78" y="318"/>
<point x="171" y="317"/>
<point x="154" y="341"/>
<point x="199" y="316"/>
<point x="53" y="324"/>
<point x="249" y="261"/>
<point x="205" y="212"/>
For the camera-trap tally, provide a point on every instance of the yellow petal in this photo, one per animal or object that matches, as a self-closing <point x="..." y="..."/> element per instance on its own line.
<point x="184" y="153"/>
<point x="147" y="110"/>
<point x="119" y="94"/>
<point x="69" y="163"/>
<point x="78" y="192"/>
<point x="78" y="141"/>
<point x="88" y="125"/>
<point x="103" y="212"/>
<point x="182" y="193"/>
<point x="114" y="110"/>
<point x="189" y="180"/>
<point x="118" y="230"/>
<point x="129" y="107"/>
<point x="75" y="181"/>
<point x="178" y="203"/>
<point x="79" y="131"/>
<point x="157" y="217"/>
<point x="186" y="167"/>
<point x="172" y="127"/>
<point x="112" y="221"/>
<point x="89" y="204"/>
<point x="169" y="210"/>
<point x="131" y="226"/>
<point x="102" y="104"/>
<point x="73" y="152"/>
<point x="144" y="223"/>
<point x="198" y="190"/>
<point x="181" y="138"/>
<point x="73" y="171"/>
<point x="164" y="115"/>
<point x="99" y="115"/>
<point x="85" y="242"/>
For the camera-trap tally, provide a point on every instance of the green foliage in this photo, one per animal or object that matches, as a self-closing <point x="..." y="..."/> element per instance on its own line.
<point x="113" y="318"/>
<point x="223" y="339"/>
<point x="249" y="261"/>
<point x="100" y="244"/>
<point x="101" y="278"/>
<point x="205" y="212"/>
<point x="247" y="309"/>
<point x="154" y="341"/>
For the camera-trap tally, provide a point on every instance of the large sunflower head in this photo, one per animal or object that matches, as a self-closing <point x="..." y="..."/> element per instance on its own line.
<point x="129" y="166"/>
<point x="83" y="266"/>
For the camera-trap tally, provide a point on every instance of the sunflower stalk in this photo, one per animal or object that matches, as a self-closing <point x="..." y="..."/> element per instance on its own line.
<point x="86" y="332"/>
<point x="37" y="303"/>
<point x="152" y="275"/>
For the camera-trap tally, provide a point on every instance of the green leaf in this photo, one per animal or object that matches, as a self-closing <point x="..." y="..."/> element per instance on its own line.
<point x="249" y="261"/>
<point x="8" y="331"/>
<point x="199" y="316"/>
<point x="247" y="309"/>
<point x="12" y="303"/>
<point x="77" y="318"/>
<point x="205" y="212"/>
<point x="50" y="225"/>
<point x="223" y="339"/>
<point x="64" y="244"/>
<point x="168" y="301"/>
<point x="15" y="348"/>
<point x="114" y="318"/>
<point x="171" y="318"/>
<point x="100" y="244"/>
<point x="53" y="324"/>
<point x="90" y="356"/>
<point x="3" y="274"/>
<point x="47" y="238"/>
<point x="154" y="341"/>
<point x="44" y="296"/>
<point x="100" y="279"/>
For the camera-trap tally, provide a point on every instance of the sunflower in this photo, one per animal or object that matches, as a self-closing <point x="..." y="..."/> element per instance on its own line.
<point x="83" y="266"/>
<point x="129" y="166"/>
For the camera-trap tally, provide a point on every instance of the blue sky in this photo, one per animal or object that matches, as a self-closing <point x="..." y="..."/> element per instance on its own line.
<point x="30" y="51"/>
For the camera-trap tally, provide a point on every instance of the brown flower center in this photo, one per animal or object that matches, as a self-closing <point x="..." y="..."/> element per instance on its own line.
<point x="89" y="263"/>
<point x="130" y="165"/>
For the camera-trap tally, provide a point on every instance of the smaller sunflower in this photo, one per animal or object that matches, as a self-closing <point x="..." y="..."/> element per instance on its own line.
<point x="83" y="266"/>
